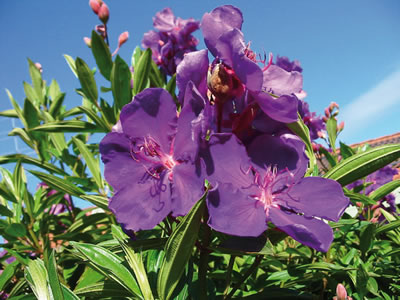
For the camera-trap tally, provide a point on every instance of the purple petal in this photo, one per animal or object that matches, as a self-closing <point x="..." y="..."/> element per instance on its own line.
<point x="120" y="168"/>
<point x="186" y="140"/>
<point x="308" y="231"/>
<point x="142" y="204"/>
<point x="231" y="48"/>
<point x="282" y="109"/>
<point x="187" y="187"/>
<point x="220" y="20"/>
<point x="281" y="82"/>
<point x="194" y="67"/>
<point x="230" y="161"/>
<point x="152" y="113"/>
<point x="316" y="197"/>
<point x="234" y="212"/>
<point x="286" y="152"/>
<point x="164" y="20"/>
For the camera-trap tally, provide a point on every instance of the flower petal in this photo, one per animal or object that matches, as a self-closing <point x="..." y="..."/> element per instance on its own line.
<point x="281" y="82"/>
<point x="152" y="113"/>
<point x="234" y="212"/>
<point x="144" y="204"/>
<point x="316" y="196"/>
<point x="282" y="109"/>
<point x="220" y="20"/>
<point x="308" y="231"/>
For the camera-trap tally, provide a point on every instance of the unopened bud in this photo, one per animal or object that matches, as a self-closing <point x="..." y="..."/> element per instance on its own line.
<point x="321" y="134"/>
<point x="101" y="29"/>
<point x="88" y="41"/>
<point x="104" y="13"/>
<point x="123" y="37"/>
<point x="95" y="5"/>
<point x="39" y="67"/>
<point x="341" y="293"/>
<point x="315" y="147"/>
<point x="325" y="119"/>
<point x="327" y="112"/>
<point x="340" y="126"/>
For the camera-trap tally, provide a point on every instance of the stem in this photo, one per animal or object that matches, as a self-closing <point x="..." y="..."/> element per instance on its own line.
<point x="229" y="274"/>
<point x="203" y="264"/>
<point x="250" y="271"/>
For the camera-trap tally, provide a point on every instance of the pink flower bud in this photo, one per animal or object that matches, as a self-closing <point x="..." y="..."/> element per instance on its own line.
<point x="340" y="126"/>
<point x="104" y="13"/>
<point x="327" y="112"/>
<point x="341" y="293"/>
<point x="88" y="41"/>
<point x="123" y="37"/>
<point x="315" y="147"/>
<point x="95" y="5"/>
<point x="39" y="67"/>
<point x="325" y="119"/>
<point x="101" y="29"/>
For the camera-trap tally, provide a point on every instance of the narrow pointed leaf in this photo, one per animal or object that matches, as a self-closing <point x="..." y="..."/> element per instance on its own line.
<point x="60" y="184"/>
<point x="91" y="162"/>
<point x="23" y="135"/>
<point x="102" y="55"/>
<point x="56" y="104"/>
<point x="68" y="126"/>
<point x="95" y="118"/>
<point x="346" y="151"/>
<point x="37" y="81"/>
<point x="97" y="200"/>
<point x="141" y="72"/>
<point x="362" y="164"/>
<point x="36" y="275"/>
<point x="32" y="161"/>
<point x="121" y="82"/>
<point x="71" y="63"/>
<point x="105" y="259"/>
<point x="178" y="251"/>
<point x="9" y="113"/>
<point x="384" y="190"/>
<point x="17" y="108"/>
<point x="331" y="128"/>
<point x="53" y="277"/>
<point x="86" y="78"/>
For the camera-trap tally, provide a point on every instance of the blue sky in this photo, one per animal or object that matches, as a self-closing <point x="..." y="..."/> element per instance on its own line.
<point x="349" y="50"/>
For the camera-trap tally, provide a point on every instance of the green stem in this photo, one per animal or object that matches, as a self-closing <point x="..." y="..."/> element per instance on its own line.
<point x="203" y="264"/>
<point x="229" y="274"/>
<point x="250" y="271"/>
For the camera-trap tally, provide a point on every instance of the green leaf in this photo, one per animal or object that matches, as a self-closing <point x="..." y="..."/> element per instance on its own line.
<point x="135" y="262"/>
<point x="384" y="190"/>
<point x="106" y="260"/>
<point x="68" y="126"/>
<point x="178" y="251"/>
<point x="346" y="151"/>
<point x="68" y="294"/>
<point x="37" y="81"/>
<point x="366" y="238"/>
<point x="36" y="275"/>
<point x="4" y="211"/>
<point x="12" y="158"/>
<point x="121" y="82"/>
<point x="331" y="128"/>
<point x="30" y="114"/>
<point x="30" y="93"/>
<point x="59" y="184"/>
<point x="107" y="112"/>
<point x="16" y="230"/>
<point x="17" y="108"/>
<point x="97" y="200"/>
<point x="54" y="90"/>
<point x="141" y="73"/>
<point x="86" y="78"/>
<point x="53" y="277"/>
<point x="23" y="135"/>
<point x="91" y="162"/>
<point x="137" y="53"/>
<point x="7" y="274"/>
<point x="102" y="55"/>
<point x="302" y="131"/>
<point x="102" y="289"/>
<point x="95" y="118"/>
<point x="357" y="197"/>
<point x="71" y="64"/>
<point x="329" y="157"/>
<point x="388" y="227"/>
<point x="156" y="77"/>
<point x="9" y="113"/>
<point x="362" y="164"/>
<point x="56" y="104"/>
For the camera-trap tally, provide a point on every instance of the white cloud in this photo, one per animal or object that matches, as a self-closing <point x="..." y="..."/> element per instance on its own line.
<point x="369" y="107"/>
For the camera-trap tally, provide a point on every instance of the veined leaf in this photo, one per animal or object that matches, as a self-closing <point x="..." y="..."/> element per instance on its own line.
<point x="121" y="82"/>
<point x="141" y="72"/>
<point x="178" y="250"/>
<point x="156" y="77"/>
<point x="17" y="108"/>
<point x="71" y="63"/>
<point x="9" y="113"/>
<point x="346" y="151"/>
<point x="331" y="128"/>
<point x="56" y="104"/>
<point x="36" y="275"/>
<point x="97" y="200"/>
<point x="37" y="81"/>
<point x="58" y="183"/>
<point x="21" y="132"/>
<point x="102" y="55"/>
<point x="86" y="78"/>
<point x="32" y="161"/>
<point x="102" y="289"/>
<point x="54" y="90"/>
<point x="105" y="259"/>
<point x="384" y="190"/>
<point x="91" y="162"/>
<point x="53" y="277"/>
<point x="95" y="118"/>
<point x="362" y="164"/>
<point x="68" y="126"/>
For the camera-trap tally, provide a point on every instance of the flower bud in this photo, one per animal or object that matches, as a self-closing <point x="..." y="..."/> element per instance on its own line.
<point x="341" y="293"/>
<point x="101" y="29"/>
<point x="39" y="67"/>
<point x="88" y="41"/>
<point x="95" y="5"/>
<point x="327" y="112"/>
<point x="104" y="13"/>
<point x="340" y="126"/>
<point x="123" y="37"/>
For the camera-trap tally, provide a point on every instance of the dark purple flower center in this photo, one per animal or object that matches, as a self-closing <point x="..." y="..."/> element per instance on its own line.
<point x="154" y="160"/>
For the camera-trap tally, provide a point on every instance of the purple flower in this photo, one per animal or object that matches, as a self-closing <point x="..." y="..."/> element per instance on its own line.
<point x="266" y="184"/>
<point x="173" y="39"/>
<point x="152" y="163"/>
<point x="287" y="65"/>
<point x="315" y="123"/>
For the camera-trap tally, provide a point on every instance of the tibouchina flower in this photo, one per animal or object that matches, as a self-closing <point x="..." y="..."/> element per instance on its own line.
<point x="151" y="161"/>
<point x="267" y="185"/>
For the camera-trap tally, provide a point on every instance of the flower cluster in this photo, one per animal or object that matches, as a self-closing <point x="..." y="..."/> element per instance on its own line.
<point x="232" y="131"/>
<point x="172" y="40"/>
